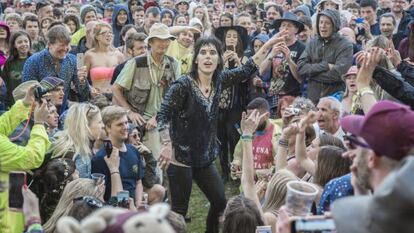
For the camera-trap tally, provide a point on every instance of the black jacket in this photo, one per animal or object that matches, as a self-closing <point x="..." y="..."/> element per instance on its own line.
<point x="192" y="120"/>
<point x="399" y="85"/>
<point x="319" y="53"/>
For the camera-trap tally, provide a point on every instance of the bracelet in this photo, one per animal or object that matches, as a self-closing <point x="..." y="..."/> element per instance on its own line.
<point x="115" y="172"/>
<point x="246" y="137"/>
<point x="365" y="90"/>
<point x="33" y="220"/>
<point x="164" y="143"/>
<point x="369" y="92"/>
<point x="284" y="143"/>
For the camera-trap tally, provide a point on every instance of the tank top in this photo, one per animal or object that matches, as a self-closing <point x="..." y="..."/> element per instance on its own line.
<point x="263" y="149"/>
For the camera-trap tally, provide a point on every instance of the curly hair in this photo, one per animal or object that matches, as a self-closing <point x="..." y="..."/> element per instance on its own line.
<point x="49" y="182"/>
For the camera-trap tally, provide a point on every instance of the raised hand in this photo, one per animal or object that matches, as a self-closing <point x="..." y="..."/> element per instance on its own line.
<point x="369" y="63"/>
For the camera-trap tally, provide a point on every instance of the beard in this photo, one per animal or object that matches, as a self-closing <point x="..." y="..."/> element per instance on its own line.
<point x="364" y="173"/>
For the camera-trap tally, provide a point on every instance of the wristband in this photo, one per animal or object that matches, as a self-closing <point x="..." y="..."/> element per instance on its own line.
<point x="365" y="90"/>
<point x="33" y="220"/>
<point x="115" y="172"/>
<point x="246" y="137"/>
<point x="284" y="143"/>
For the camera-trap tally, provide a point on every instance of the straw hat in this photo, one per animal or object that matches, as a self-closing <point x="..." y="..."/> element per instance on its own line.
<point x="159" y="31"/>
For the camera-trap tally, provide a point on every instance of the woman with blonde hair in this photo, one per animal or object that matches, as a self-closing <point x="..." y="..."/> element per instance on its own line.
<point x="101" y="60"/>
<point x="83" y="125"/>
<point x="275" y="195"/>
<point x="276" y="188"/>
<point x="73" y="190"/>
<point x="200" y="11"/>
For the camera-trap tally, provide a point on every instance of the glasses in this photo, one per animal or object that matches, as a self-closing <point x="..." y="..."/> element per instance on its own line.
<point x="353" y="142"/>
<point x="106" y="33"/>
<point x="90" y="201"/>
<point x="231" y="6"/>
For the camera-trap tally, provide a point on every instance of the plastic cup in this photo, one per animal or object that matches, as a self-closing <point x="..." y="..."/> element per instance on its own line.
<point x="98" y="178"/>
<point x="299" y="198"/>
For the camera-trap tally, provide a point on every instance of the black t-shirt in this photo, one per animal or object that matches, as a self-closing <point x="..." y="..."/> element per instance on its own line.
<point x="283" y="82"/>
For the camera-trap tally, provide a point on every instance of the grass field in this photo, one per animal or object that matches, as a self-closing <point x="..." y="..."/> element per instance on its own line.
<point x="199" y="206"/>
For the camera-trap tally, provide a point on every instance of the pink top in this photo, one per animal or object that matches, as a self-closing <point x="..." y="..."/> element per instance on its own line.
<point x="263" y="149"/>
<point x="101" y="74"/>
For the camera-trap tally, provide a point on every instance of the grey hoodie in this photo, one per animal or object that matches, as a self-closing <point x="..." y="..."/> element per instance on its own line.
<point x="313" y="64"/>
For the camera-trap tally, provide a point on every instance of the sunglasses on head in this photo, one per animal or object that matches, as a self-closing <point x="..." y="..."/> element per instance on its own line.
<point x="90" y="201"/>
<point x="353" y="142"/>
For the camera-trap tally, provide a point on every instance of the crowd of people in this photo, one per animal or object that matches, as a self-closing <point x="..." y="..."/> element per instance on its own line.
<point x="114" y="109"/>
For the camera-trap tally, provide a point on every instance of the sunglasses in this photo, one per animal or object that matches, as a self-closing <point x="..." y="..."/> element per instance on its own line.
<point x="231" y="6"/>
<point x="353" y="142"/>
<point x="90" y="201"/>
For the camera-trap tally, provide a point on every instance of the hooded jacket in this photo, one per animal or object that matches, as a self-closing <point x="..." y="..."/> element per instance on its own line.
<point x="116" y="29"/>
<point x="319" y="53"/>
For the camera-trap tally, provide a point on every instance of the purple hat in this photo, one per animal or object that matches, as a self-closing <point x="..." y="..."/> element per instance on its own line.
<point x="388" y="128"/>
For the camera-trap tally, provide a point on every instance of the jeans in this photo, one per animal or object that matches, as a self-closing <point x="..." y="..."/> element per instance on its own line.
<point x="210" y="183"/>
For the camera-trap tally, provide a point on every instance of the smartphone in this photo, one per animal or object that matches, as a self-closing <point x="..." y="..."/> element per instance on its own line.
<point x="293" y="111"/>
<point x="263" y="229"/>
<point x="316" y="225"/>
<point x="122" y="199"/>
<point x="108" y="147"/>
<point x="80" y="60"/>
<point x="230" y="47"/>
<point x="16" y="181"/>
<point x="359" y="20"/>
<point x="263" y="15"/>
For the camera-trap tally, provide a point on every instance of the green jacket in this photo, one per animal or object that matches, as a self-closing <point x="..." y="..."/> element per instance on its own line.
<point x="18" y="158"/>
<point x="77" y="36"/>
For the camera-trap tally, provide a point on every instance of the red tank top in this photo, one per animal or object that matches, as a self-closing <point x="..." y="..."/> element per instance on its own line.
<point x="263" y="149"/>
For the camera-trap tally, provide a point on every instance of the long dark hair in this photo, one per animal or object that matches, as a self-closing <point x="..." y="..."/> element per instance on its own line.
<point x="239" y="46"/>
<point x="330" y="165"/>
<point x="241" y="216"/>
<point x="207" y="40"/>
<point x="14" y="54"/>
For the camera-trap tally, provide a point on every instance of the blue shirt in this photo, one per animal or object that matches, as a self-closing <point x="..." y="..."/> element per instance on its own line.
<point x="375" y="29"/>
<point x="41" y="65"/>
<point x="130" y="168"/>
<point x="335" y="189"/>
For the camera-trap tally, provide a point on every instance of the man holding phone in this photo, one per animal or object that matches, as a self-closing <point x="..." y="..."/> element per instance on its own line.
<point x="19" y="158"/>
<point x="130" y="168"/>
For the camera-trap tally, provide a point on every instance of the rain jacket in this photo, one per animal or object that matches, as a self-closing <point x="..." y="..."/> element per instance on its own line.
<point x="116" y="29"/>
<point x="313" y="63"/>
<point x="18" y="158"/>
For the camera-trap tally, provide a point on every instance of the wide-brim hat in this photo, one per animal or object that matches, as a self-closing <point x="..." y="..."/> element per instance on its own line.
<point x="290" y="17"/>
<point x="160" y="31"/>
<point x="220" y="33"/>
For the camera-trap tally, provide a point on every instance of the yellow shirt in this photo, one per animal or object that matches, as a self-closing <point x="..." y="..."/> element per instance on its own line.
<point x="182" y="54"/>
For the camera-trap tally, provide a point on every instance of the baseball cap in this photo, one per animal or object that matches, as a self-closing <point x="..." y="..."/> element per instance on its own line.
<point x="388" y="128"/>
<point x="353" y="70"/>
